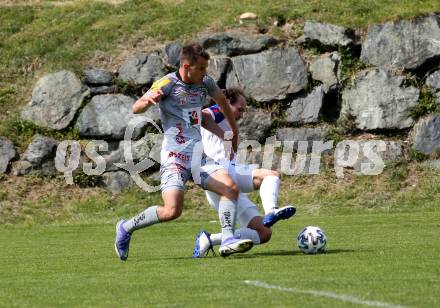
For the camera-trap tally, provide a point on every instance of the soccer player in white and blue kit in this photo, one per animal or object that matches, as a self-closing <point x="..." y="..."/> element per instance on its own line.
<point x="248" y="178"/>
<point x="181" y="96"/>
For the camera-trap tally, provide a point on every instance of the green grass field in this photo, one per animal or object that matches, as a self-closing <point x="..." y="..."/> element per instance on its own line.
<point x="57" y="240"/>
<point x="374" y="259"/>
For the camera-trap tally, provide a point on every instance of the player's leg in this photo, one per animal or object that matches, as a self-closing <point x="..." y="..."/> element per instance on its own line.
<point x="221" y="183"/>
<point x="247" y="215"/>
<point x="172" y="186"/>
<point x="268" y="181"/>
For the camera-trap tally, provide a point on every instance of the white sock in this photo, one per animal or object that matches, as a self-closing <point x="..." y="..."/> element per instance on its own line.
<point x="269" y="193"/>
<point x="227" y="212"/>
<point x="144" y="219"/>
<point x="248" y="233"/>
<point x="243" y="233"/>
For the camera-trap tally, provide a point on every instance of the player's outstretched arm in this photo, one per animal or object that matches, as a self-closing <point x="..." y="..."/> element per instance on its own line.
<point x="225" y="108"/>
<point x="149" y="99"/>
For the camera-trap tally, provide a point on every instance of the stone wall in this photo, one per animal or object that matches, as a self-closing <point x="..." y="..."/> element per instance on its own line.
<point x="291" y="92"/>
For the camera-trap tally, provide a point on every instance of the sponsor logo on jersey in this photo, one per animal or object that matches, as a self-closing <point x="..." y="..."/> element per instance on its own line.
<point x="193" y="117"/>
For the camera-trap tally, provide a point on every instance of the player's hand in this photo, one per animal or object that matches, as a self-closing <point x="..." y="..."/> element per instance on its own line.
<point x="151" y="97"/>
<point x="148" y="99"/>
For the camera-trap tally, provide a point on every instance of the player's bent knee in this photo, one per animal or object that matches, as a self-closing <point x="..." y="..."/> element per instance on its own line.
<point x="230" y="190"/>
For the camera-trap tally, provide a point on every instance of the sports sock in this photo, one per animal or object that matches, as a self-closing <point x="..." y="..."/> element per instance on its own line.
<point x="144" y="219"/>
<point x="227" y="212"/>
<point x="243" y="233"/>
<point x="269" y="192"/>
<point x="248" y="233"/>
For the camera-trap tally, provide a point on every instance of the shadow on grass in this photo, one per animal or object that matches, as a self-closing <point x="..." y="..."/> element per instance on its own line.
<point x="251" y="255"/>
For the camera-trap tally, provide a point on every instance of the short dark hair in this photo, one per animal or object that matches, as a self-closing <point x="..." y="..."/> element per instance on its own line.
<point x="192" y="51"/>
<point x="233" y="93"/>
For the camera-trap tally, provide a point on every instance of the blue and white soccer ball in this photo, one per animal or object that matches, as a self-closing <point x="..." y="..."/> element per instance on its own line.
<point x="312" y="240"/>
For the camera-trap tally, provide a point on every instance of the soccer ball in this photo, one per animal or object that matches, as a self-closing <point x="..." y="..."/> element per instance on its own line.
<point x="312" y="240"/>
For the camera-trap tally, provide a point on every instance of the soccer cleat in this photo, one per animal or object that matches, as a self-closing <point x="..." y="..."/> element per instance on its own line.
<point x="122" y="241"/>
<point x="234" y="245"/>
<point x="203" y="245"/>
<point x="283" y="213"/>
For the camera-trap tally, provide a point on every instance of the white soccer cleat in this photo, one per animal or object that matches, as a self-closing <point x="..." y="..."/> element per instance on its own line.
<point x="234" y="245"/>
<point x="203" y="245"/>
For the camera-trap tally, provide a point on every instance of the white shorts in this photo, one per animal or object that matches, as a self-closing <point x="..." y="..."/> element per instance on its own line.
<point x="246" y="209"/>
<point x="243" y="176"/>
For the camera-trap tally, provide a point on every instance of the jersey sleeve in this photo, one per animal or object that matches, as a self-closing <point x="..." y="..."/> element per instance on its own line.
<point x="165" y="84"/>
<point x="210" y="85"/>
<point x="216" y="113"/>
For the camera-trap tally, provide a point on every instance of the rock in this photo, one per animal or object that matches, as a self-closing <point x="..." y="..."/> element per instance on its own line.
<point x="377" y="99"/>
<point x="325" y="69"/>
<point x="306" y="109"/>
<point x="40" y="150"/>
<point x="116" y="181"/>
<point x="393" y="151"/>
<point x="406" y="44"/>
<point x="107" y="116"/>
<point x="7" y="154"/>
<point x="142" y="69"/>
<point x="328" y="34"/>
<point x="21" y="167"/>
<point x="97" y="77"/>
<point x="236" y="44"/>
<point x="103" y="90"/>
<point x="55" y="100"/>
<point x="269" y="75"/>
<point x="218" y="68"/>
<point x="172" y="52"/>
<point x="308" y="134"/>
<point x="433" y="82"/>
<point x="148" y="147"/>
<point x="425" y="135"/>
<point x="254" y="124"/>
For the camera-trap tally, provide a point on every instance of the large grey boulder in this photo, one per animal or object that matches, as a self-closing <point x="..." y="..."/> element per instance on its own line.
<point x="366" y="156"/>
<point x="40" y="149"/>
<point x="236" y="44"/>
<point x="328" y="34"/>
<point x="433" y="82"/>
<point x="39" y="157"/>
<point x="302" y="134"/>
<point x="269" y="75"/>
<point x="55" y="100"/>
<point x="404" y="44"/>
<point x="7" y="153"/>
<point x="325" y="69"/>
<point x="146" y="148"/>
<point x="94" y="76"/>
<point x="172" y="51"/>
<point x="99" y="81"/>
<point x="107" y="116"/>
<point x="97" y="90"/>
<point x="377" y="99"/>
<point x="306" y="108"/>
<point x="142" y="69"/>
<point x="218" y="69"/>
<point x="116" y="181"/>
<point x="425" y="135"/>
<point x="254" y="124"/>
